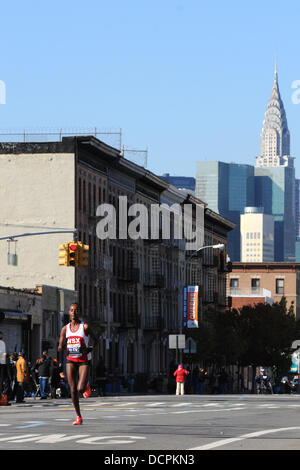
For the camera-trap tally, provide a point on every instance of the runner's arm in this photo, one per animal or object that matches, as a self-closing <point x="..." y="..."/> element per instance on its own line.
<point x="92" y="335"/>
<point x="61" y="338"/>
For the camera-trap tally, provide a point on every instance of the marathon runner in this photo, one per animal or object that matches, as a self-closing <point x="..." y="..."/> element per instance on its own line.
<point x="77" y="334"/>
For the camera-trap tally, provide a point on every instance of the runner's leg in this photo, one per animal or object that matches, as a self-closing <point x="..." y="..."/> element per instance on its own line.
<point x="83" y="378"/>
<point x="71" y="370"/>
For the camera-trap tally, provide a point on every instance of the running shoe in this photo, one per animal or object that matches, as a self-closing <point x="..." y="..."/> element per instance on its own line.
<point x="78" y="420"/>
<point x="87" y="391"/>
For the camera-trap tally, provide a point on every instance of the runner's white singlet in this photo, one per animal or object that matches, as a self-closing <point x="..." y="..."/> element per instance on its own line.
<point x="76" y="340"/>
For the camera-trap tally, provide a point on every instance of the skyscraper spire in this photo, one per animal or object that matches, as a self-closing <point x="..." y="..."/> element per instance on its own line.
<point x="275" y="136"/>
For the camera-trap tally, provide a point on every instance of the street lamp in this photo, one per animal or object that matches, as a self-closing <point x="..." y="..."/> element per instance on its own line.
<point x="219" y="246"/>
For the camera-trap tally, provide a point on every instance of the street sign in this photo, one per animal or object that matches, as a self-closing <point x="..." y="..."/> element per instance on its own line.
<point x="191" y="346"/>
<point x="176" y="341"/>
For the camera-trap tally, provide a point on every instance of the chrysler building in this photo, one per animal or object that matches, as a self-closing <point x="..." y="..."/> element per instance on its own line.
<point x="275" y="136"/>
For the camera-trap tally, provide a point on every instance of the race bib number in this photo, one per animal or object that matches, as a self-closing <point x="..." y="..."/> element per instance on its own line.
<point x="74" y="347"/>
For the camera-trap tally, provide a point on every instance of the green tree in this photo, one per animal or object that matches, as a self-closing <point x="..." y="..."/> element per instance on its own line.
<point x="268" y="332"/>
<point x="228" y="344"/>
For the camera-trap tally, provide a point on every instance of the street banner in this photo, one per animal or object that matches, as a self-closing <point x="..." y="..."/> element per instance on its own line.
<point x="190" y="306"/>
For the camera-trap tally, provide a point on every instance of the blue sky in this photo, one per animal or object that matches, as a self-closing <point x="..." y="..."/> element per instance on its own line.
<point x="187" y="79"/>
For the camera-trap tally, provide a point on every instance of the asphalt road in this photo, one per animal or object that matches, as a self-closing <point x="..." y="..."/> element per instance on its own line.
<point x="157" y="422"/>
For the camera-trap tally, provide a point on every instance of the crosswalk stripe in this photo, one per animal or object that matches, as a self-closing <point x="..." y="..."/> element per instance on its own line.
<point x="16" y="438"/>
<point x="54" y="438"/>
<point x="155" y="404"/>
<point x="182" y="404"/>
<point x="212" y="404"/>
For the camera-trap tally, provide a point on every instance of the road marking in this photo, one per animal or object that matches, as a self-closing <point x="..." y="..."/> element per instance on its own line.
<point x="181" y="404"/>
<point x="224" y="442"/>
<point x="25" y="436"/>
<point x="110" y="440"/>
<point x="213" y="404"/>
<point x="31" y="425"/>
<point x="123" y="404"/>
<point x="54" y="438"/>
<point x="80" y="438"/>
<point x="149" y="405"/>
<point x="94" y="406"/>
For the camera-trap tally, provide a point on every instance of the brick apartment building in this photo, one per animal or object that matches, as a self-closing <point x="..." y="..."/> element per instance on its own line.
<point x="251" y="283"/>
<point x="131" y="292"/>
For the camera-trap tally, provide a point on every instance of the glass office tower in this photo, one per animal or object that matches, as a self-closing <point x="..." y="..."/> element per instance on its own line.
<point x="185" y="183"/>
<point x="227" y="188"/>
<point x="275" y="191"/>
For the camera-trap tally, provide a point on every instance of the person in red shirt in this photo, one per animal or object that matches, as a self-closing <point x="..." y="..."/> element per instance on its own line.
<point x="180" y="375"/>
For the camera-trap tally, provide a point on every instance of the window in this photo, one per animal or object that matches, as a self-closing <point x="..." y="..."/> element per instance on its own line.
<point x="255" y="284"/>
<point x="279" y="286"/>
<point x="79" y="195"/>
<point x="234" y="283"/>
<point x="84" y="196"/>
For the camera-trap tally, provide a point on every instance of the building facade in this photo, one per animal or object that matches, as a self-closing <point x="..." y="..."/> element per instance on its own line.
<point x="184" y="183"/>
<point x="31" y="319"/>
<point x="131" y="291"/>
<point x="257" y="235"/>
<point x="275" y="192"/>
<point x="227" y="188"/>
<point x="279" y="279"/>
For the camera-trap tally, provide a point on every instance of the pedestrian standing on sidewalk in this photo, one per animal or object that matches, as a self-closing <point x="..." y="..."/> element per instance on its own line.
<point x="180" y="375"/>
<point x="22" y="376"/>
<point x="54" y="378"/>
<point x="3" y="365"/>
<point x="13" y="374"/>
<point x="77" y="334"/>
<point x="43" y="366"/>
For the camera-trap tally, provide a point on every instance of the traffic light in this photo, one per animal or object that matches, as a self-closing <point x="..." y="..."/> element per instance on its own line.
<point x="73" y="249"/>
<point x="222" y="262"/>
<point x="63" y="255"/>
<point x="228" y="265"/>
<point x="74" y="254"/>
<point x="83" y="256"/>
